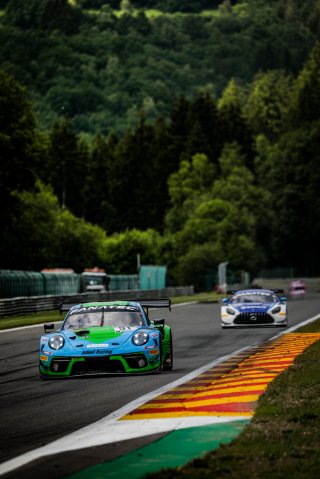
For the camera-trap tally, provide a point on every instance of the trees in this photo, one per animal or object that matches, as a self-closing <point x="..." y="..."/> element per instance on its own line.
<point x="234" y="125"/>
<point x="121" y="249"/>
<point x="216" y="215"/>
<point x="268" y="102"/>
<point x="21" y="153"/>
<point x="103" y="68"/>
<point x="46" y="235"/>
<point x="67" y="167"/>
<point x="293" y="171"/>
<point x="289" y="168"/>
<point x="204" y="135"/>
<point x="232" y="178"/>
<point x="192" y="180"/>
<point x="100" y="203"/>
<point x="306" y="102"/>
<point x="46" y="15"/>
<point x="18" y="143"/>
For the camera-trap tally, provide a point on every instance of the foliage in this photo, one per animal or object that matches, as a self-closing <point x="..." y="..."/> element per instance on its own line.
<point x="64" y="240"/>
<point x="233" y="178"/>
<point x="21" y="150"/>
<point x="46" y="15"/>
<point x="307" y="89"/>
<point x="215" y="217"/>
<point x="101" y="69"/>
<point x="267" y="105"/>
<point x="293" y="174"/>
<point x="121" y="250"/>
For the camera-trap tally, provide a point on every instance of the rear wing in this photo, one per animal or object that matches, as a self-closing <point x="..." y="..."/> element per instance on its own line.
<point x="145" y="303"/>
<point x="154" y="303"/>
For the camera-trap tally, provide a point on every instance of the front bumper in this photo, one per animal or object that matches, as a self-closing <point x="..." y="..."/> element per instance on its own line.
<point x="67" y="366"/>
<point x="250" y="319"/>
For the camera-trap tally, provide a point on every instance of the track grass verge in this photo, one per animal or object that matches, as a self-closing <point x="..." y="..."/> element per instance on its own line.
<point x="282" y="440"/>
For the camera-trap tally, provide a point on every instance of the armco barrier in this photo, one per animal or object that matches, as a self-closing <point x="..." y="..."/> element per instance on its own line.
<point x="34" y="304"/>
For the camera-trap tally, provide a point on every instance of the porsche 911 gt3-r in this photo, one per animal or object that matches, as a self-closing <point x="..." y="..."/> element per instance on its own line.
<point x="107" y="338"/>
<point x="254" y="307"/>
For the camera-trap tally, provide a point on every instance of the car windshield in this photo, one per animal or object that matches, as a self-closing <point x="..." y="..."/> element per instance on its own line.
<point x="254" y="298"/>
<point x="86" y="319"/>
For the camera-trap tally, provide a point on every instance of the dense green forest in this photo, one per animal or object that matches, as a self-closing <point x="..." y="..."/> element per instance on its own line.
<point x="100" y="62"/>
<point x="210" y="153"/>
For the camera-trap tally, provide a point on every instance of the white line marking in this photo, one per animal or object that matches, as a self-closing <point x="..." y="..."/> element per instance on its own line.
<point x="109" y="429"/>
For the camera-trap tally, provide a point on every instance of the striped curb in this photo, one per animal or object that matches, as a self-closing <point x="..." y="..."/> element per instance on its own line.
<point x="229" y="390"/>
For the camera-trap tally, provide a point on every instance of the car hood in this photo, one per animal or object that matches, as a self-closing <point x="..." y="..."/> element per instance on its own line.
<point x="253" y="307"/>
<point x="114" y="336"/>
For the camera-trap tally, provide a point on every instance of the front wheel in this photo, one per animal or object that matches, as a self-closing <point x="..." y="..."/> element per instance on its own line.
<point x="168" y="360"/>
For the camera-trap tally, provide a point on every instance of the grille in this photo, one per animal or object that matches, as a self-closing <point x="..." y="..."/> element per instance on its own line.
<point x="253" y="318"/>
<point x="97" y="366"/>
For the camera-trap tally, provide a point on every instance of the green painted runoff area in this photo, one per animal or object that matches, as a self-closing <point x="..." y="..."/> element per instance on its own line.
<point x="173" y="450"/>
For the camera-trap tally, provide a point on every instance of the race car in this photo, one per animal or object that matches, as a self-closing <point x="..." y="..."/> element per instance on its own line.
<point x="114" y="337"/>
<point x="297" y="289"/>
<point x="254" y="307"/>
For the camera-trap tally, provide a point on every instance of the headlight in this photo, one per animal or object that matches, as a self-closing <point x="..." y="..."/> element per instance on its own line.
<point x="231" y="311"/>
<point x="276" y="310"/>
<point x="140" y="338"/>
<point x="56" y="342"/>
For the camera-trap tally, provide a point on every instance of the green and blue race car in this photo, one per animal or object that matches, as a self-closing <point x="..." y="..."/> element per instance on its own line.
<point x="114" y="337"/>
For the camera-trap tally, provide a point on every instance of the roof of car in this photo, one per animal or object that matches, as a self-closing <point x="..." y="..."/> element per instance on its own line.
<point x="138" y="303"/>
<point x="255" y="291"/>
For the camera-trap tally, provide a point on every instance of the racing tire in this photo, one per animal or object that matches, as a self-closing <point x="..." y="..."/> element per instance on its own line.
<point x="169" y="366"/>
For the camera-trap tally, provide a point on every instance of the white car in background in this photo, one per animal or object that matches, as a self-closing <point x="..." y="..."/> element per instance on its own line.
<point x="254" y="307"/>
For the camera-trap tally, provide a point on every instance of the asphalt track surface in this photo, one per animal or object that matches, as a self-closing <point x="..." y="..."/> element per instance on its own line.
<point x="36" y="412"/>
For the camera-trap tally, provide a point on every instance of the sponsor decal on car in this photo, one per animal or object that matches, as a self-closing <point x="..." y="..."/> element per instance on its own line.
<point x="121" y="329"/>
<point x="108" y="352"/>
<point x="104" y="308"/>
<point x="249" y="293"/>
<point x="103" y="345"/>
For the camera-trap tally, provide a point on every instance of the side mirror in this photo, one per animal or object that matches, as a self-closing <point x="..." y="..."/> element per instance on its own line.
<point x="158" y="322"/>
<point x="48" y="327"/>
<point x="225" y="300"/>
<point x="283" y="299"/>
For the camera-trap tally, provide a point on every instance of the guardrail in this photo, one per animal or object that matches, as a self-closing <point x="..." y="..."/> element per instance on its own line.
<point x="34" y="304"/>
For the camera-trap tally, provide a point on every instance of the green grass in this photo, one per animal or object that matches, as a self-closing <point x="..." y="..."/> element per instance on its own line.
<point x="7" y="322"/>
<point x="282" y="440"/>
<point x="200" y="297"/>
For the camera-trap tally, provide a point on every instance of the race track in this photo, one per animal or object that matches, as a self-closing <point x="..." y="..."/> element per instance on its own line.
<point x="36" y="412"/>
